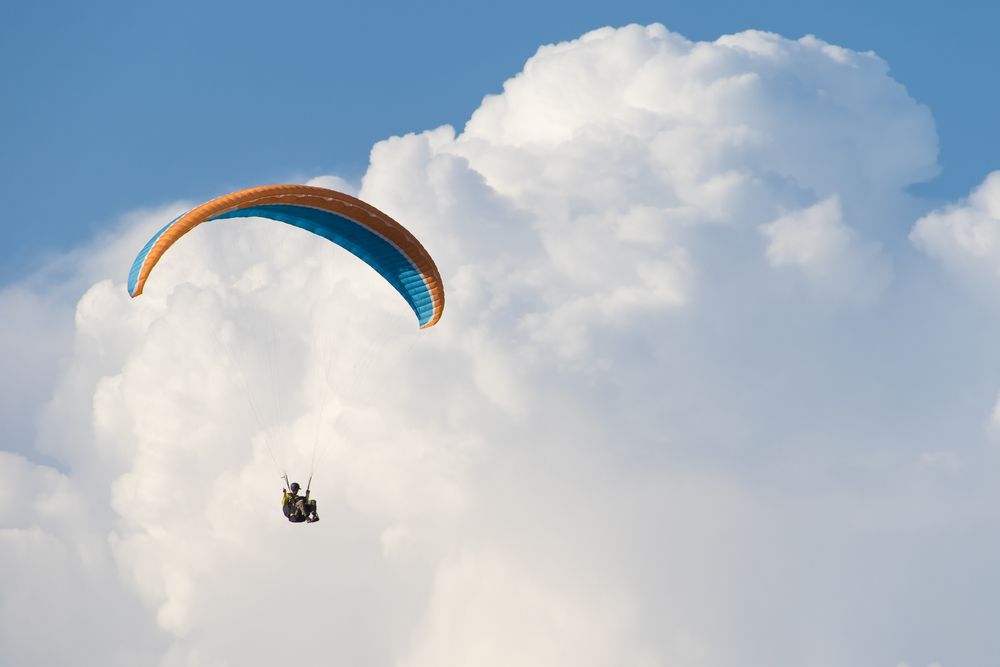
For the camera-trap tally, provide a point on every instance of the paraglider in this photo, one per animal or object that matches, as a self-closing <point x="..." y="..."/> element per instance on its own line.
<point x="360" y="228"/>
<point x="298" y="508"/>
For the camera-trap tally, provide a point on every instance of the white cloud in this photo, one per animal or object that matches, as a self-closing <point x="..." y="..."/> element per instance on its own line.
<point x="826" y="250"/>
<point x="965" y="236"/>
<point x="59" y="576"/>
<point x="334" y="182"/>
<point x="632" y="438"/>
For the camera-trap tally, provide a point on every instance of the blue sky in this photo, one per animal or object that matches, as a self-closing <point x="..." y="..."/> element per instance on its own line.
<point x="116" y="105"/>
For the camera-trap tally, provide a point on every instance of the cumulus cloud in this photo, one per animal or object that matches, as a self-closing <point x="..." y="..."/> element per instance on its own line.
<point x="634" y="437"/>
<point x="965" y="235"/>
<point x="816" y="241"/>
<point x="334" y="182"/>
<point x="60" y="579"/>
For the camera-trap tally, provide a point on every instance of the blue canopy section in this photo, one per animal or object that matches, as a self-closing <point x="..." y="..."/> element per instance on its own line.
<point x="133" y="273"/>
<point x="354" y="237"/>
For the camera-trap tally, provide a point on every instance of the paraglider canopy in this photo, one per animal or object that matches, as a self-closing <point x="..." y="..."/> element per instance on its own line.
<point x="360" y="228"/>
